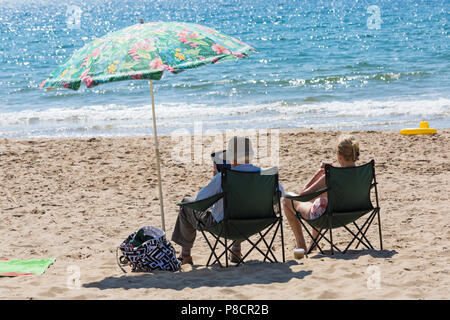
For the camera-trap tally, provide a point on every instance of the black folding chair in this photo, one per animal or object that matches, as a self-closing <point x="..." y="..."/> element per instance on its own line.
<point x="251" y="203"/>
<point x="348" y="200"/>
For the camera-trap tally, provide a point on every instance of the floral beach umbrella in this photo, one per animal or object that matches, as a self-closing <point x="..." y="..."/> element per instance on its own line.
<point x="145" y="51"/>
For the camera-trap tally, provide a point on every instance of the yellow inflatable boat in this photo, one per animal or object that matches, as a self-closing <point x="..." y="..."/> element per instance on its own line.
<point x="424" y="129"/>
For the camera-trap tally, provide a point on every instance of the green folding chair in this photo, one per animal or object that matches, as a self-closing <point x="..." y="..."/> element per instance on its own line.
<point x="348" y="200"/>
<point x="251" y="203"/>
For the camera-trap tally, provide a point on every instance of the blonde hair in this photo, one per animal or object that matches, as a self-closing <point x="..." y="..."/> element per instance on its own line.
<point x="348" y="147"/>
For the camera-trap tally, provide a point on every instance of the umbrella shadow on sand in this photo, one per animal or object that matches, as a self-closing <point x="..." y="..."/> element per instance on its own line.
<point x="249" y="273"/>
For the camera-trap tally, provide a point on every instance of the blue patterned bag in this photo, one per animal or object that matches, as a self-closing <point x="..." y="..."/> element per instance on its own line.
<point x="147" y="250"/>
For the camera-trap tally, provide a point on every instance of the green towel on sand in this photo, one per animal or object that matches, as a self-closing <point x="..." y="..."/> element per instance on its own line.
<point x="24" y="267"/>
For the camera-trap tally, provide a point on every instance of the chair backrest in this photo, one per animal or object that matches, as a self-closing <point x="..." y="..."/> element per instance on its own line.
<point x="349" y="188"/>
<point x="250" y="195"/>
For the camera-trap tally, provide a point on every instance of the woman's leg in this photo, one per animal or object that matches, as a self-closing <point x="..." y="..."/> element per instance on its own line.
<point x="319" y="206"/>
<point x="303" y="208"/>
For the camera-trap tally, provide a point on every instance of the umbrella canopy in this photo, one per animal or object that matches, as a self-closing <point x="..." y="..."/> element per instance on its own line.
<point x="145" y="51"/>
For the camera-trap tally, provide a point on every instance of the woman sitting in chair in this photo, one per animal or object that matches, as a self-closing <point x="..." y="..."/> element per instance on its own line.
<point x="347" y="154"/>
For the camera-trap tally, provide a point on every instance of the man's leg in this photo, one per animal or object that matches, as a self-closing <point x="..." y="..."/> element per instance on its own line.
<point x="184" y="232"/>
<point x="235" y="253"/>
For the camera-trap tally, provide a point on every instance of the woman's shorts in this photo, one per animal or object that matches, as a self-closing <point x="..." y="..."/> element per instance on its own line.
<point x="318" y="208"/>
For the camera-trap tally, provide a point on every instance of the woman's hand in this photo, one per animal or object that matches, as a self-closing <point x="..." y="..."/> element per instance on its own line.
<point x="318" y="173"/>
<point x="323" y="164"/>
<point x="215" y="171"/>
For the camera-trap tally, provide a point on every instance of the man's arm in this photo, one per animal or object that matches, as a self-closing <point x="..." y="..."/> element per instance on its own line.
<point x="214" y="187"/>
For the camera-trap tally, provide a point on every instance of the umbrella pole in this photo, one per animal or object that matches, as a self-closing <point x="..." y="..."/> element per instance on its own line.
<point x="158" y="167"/>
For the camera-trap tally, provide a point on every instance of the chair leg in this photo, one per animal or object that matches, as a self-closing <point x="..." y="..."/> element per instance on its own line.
<point x="213" y="253"/>
<point x="213" y="248"/>
<point x="331" y="239"/>
<point x="227" y="250"/>
<point x="255" y="245"/>
<point x="361" y="239"/>
<point x="379" y="229"/>
<point x="322" y="236"/>
<point x="210" y="256"/>
<point x="363" y="232"/>
<point x="269" y="246"/>
<point x="315" y="240"/>
<point x="282" y="240"/>
<point x="226" y="253"/>
<point x="355" y="236"/>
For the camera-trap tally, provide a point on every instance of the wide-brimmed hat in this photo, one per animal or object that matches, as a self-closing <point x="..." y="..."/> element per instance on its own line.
<point x="239" y="149"/>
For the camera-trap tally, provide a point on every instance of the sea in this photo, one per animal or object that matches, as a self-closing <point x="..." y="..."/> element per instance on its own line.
<point x="321" y="65"/>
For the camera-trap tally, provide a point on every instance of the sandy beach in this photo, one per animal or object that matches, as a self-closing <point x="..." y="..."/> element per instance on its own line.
<point x="77" y="199"/>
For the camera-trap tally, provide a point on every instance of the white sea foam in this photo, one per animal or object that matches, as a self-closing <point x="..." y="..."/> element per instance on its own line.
<point x="115" y="119"/>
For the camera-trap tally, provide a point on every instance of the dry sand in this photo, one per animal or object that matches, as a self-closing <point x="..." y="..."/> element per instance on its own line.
<point x="78" y="199"/>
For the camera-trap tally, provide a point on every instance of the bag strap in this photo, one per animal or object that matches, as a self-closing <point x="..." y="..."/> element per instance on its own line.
<point x="117" y="259"/>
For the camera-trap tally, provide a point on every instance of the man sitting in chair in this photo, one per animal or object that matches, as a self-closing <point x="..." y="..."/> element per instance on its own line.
<point x="239" y="155"/>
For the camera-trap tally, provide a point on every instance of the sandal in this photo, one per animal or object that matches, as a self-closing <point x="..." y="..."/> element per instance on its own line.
<point x="235" y="256"/>
<point x="186" y="260"/>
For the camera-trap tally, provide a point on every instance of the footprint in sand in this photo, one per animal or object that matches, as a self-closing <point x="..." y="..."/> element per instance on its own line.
<point x="228" y="291"/>
<point x="353" y="275"/>
<point x="328" y="295"/>
<point x="52" y="292"/>
<point x="234" y="293"/>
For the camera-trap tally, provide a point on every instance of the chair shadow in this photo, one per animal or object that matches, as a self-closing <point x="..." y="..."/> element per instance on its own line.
<point x="252" y="272"/>
<point x="354" y="254"/>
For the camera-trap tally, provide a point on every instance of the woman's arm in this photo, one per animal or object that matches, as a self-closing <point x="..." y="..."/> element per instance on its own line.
<point x="316" y="183"/>
<point x="316" y="176"/>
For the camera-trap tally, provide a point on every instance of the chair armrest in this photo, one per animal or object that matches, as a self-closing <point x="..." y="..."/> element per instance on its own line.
<point x="307" y="197"/>
<point x="201" y="205"/>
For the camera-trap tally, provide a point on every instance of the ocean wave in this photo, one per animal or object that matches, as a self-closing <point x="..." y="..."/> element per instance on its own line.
<point x="170" y="116"/>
